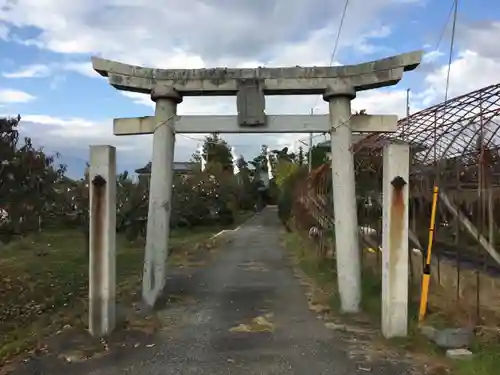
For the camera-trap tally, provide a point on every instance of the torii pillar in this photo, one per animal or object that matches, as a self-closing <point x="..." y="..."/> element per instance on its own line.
<point x="339" y="95"/>
<point x="160" y="193"/>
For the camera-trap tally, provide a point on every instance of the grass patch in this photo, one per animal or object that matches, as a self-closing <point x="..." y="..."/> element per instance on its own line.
<point x="44" y="281"/>
<point x="486" y="360"/>
<point x="324" y="273"/>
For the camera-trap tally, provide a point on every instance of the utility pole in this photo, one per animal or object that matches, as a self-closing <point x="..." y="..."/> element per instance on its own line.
<point x="310" y="151"/>
<point x="406" y="124"/>
<point x="310" y="147"/>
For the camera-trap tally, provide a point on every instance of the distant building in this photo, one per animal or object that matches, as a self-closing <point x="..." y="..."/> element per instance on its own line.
<point x="179" y="168"/>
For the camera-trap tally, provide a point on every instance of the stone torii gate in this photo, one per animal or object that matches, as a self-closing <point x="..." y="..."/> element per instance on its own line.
<point x="338" y="85"/>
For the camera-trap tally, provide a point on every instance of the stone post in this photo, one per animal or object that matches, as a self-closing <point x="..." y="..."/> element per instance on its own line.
<point x="395" y="240"/>
<point x="339" y="97"/>
<point x="102" y="241"/>
<point x="160" y="194"/>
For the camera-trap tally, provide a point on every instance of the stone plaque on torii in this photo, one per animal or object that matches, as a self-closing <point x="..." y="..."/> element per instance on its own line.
<point x="338" y="85"/>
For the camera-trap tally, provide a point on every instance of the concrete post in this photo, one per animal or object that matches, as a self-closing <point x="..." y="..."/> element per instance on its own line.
<point x="160" y="195"/>
<point x="102" y="249"/>
<point x="395" y="240"/>
<point x="344" y="197"/>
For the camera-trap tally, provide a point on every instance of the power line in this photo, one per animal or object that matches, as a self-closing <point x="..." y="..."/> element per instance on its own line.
<point x="452" y="43"/>
<point x="447" y="86"/>
<point x="339" y="32"/>
<point x="445" y="26"/>
<point x="435" y="190"/>
<point x="332" y="57"/>
<point x="205" y="140"/>
<point x="200" y="140"/>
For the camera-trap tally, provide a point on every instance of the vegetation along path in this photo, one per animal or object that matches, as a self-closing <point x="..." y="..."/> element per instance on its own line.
<point x="248" y="315"/>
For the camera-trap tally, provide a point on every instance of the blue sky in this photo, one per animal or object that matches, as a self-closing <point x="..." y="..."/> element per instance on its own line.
<point x="46" y="76"/>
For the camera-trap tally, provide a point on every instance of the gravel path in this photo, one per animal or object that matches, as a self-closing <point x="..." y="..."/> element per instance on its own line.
<point x="249" y="281"/>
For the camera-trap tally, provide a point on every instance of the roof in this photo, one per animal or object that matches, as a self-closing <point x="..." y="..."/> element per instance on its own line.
<point x="450" y="129"/>
<point x="179" y="166"/>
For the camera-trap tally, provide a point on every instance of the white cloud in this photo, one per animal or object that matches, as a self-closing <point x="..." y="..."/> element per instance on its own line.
<point x="432" y="56"/>
<point x="9" y="96"/>
<point x="481" y="37"/>
<point x="43" y="70"/>
<point x="468" y="72"/>
<point x="4" y="31"/>
<point x="163" y="29"/>
<point x="71" y="138"/>
<point x="83" y="68"/>
<point x="189" y="34"/>
<point x="31" y="71"/>
<point x="363" y="43"/>
<point x="382" y="102"/>
<point x="73" y="123"/>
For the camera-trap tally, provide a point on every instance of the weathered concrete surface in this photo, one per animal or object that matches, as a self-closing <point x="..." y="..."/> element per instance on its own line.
<point x="344" y="198"/>
<point x="249" y="278"/>
<point x="396" y="176"/>
<point x="102" y="242"/>
<point x="274" y="124"/>
<point x="276" y="81"/>
<point x="160" y="198"/>
<point x="459" y="354"/>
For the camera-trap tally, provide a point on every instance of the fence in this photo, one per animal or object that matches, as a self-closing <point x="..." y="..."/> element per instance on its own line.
<point x="456" y="146"/>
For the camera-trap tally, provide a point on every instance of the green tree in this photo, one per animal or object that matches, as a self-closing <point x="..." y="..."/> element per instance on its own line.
<point x="319" y="155"/>
<point x="288" y="174"/>
<point x="300" y="156"/>
<point x="29" y="183"/>
<point x="242" y="163"/>
<point x="260" y="161"/>
<point x="283" y="154"/>
<point x="217" y="151"/>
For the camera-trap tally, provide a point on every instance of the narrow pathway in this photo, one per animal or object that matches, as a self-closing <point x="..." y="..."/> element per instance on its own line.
<point x="249" y="284"/>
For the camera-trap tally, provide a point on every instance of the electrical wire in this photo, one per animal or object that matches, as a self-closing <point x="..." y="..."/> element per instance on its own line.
<point x="200" y="140"/>
<point x="452" y="43"/>
<point x="447" y="85"/>
<point x="435" y="195"/>
<point x="438" y="45"/>
<point x="339" y="32"/>
<point x="332" y="57"/>
<point x="335" y="47"/>
<point x="445" y="26"/>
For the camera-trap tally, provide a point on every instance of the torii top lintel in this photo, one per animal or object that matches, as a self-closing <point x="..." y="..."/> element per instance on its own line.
<point x="275" y="81"/>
